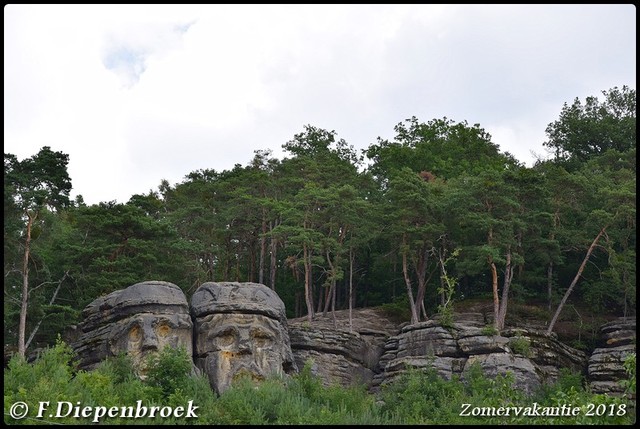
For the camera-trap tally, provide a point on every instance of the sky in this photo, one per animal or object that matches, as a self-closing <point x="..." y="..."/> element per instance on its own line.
<point x="137" y="94"/>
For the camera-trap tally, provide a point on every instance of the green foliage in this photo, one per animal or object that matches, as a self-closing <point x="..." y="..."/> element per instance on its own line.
<point x="447" y="290"/>
<point x="447" y="148"/>
<point x="414" y="397"/>
<point x="300" y="399"/>
<point x="587" y="130"/>
<point x="398" y="309"/>
<point x="630" y="368"/>
<point x="169" y="369"/>
<point x="424" y="397"/>
<point x="520" y="345"/>
<point x="52" y="378"/>
<point x="421" y="398"/>
<point x="34" y="187"/>
<point x="39" y="181"/>
<point x="489" y="330"/>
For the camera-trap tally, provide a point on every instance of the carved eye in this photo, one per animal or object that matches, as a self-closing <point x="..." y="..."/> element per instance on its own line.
<point x="163" y="330"/>
<point x="135" y="334"/>
<point x="262" y="339"/>
<point x="226" y="337"/>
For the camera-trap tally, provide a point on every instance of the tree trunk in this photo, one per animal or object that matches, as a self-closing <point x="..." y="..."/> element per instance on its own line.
<point x="252" y="264"/>
<point x="274" y="249"/>
<point x="22" y="327"/>
<point x="263" y="248"/>
<point x="350" y="289"/>
<point x="225" y="270"/>
<point x="496" y="299"/>
<point x="407" y="280"/>
<point x="552" y="236"/>
<point x="423" y="311"/>
<point x="51" y="301"/>
<point x="329" y="297"/>
<point x="549" y="284"/>
<point x="333" y="304"/>
<point x="421" y="271"/>
<point x="307" y="282"/>
<point x="575" y="280"/>
<point x="508" y="277"/>
<point x="322" y="294"/>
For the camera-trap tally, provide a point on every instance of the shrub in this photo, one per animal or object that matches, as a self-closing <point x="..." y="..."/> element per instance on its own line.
<point x="169" y="369"/>
<point x="489" y="330"/>
<point x="630" y="368"/>
<point x="520" y="345"/>
<point x="398" y="310"/>
<point x="415" y="397"/>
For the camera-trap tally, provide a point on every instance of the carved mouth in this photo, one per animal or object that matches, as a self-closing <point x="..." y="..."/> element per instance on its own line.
<point x="248" y="374"/>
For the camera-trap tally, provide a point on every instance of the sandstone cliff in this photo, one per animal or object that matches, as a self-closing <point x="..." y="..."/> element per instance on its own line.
<point x="377" y="350"/>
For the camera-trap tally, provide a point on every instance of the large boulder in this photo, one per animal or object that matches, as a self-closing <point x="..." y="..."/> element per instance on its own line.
<point x="240" y="330"/>
<point x="140" y="320"/>
<point x="453" y="350"/>
<point x="337" y="352"/>
<point x="606" y="370"/>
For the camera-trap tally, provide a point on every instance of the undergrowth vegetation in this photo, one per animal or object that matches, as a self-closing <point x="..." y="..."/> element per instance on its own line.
<point x="416" y="397"/>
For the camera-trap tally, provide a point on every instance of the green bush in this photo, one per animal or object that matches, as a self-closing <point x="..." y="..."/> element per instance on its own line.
<point x="520" y="345"/>
<point x="52" y="378"/>
<point x="398" y="310"/>
<point x="630" y="367"/>
<point x="169" y="370"/>
<point x="489" y="330"/>
<point x="299" y="399"/>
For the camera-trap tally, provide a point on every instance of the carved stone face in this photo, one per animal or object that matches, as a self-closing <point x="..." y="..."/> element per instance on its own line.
<point x="139" y="320"/>
<point x="145" y="334"/>
<point x="238" y="345"/>
<point x="240" y="330"/>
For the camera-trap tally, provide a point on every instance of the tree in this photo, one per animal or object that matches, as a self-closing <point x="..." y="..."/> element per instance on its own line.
<point x="611" y="213"/>
<point x="491" y="228"/>
<point x="415" y="225"/>
<point x="587" y="130"/>
<point x="441" y="146"/>
<point x="319" y="176"/>
<point x="38" y="183"/>
<point x="406" y="168"/>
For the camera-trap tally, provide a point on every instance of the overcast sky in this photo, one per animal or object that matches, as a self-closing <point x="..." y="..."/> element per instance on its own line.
<point x="139" y="93"/>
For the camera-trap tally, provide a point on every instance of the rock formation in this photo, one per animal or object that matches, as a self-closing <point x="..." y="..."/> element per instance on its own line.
<point x="240" y="330"/>
<point x="378" y="350"/>
<point x="139" y="320"/>
<point x="526" y="354"/>
<point x="606" y="364"/>
<point x="336" y="354"/>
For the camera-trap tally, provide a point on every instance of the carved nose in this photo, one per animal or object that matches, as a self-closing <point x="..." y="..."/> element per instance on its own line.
<point x="244" y="347"/>
<point x="149" y="339"/>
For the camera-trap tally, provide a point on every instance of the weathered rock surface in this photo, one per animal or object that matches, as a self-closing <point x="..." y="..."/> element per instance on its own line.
<point x="547" y="353"/>
<point x="339" y="355"/>
<point x="606" y="364"/>
<point x="237" y="298"/>
<point x="139" y="320"/>
<point x="527" y="354"/>
<point x="240" y="330"/>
